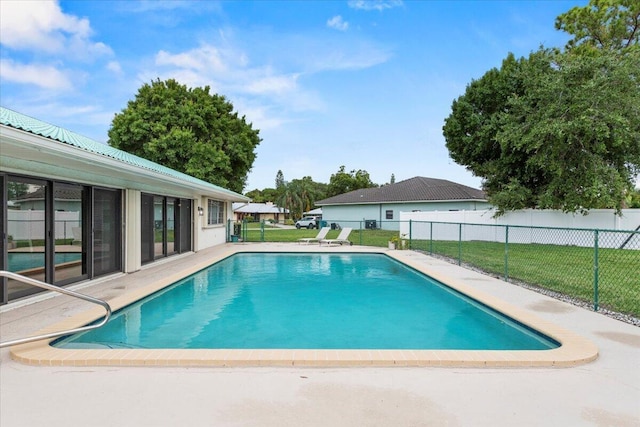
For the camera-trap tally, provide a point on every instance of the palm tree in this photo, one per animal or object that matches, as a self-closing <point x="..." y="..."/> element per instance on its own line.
<point x="308" y="193"/>
<point x="288" y="198"/>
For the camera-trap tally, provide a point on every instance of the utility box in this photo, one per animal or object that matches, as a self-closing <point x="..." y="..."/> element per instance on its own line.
<point x="370" y="224"/>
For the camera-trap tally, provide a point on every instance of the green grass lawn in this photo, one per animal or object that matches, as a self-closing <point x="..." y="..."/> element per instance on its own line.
<point x="565" y="269"/>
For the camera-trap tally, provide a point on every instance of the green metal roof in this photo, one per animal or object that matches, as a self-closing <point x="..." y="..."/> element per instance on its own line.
<point x="29" y="124"/>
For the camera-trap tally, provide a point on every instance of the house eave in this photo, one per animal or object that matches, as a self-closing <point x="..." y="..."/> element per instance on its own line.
<point x="24" y="151"/>
<point x="401" y="202"/>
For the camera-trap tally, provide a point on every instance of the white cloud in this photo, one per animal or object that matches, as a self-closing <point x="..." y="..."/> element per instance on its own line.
<point x="338" y="23"/>
<point x="115" y="67"/>
<point x="352" y="56"/>
<point x="205" y="58"/>
<point x="143" y="6"/>
<point x="260" y="116"/>
<point x="43" y="27"/>
<point x="272" y="84"/>
<point x="244" y="71"/>
<point x="45" y="76"/>
<point x="209" y="65"/>
<point x="379" y="5"/>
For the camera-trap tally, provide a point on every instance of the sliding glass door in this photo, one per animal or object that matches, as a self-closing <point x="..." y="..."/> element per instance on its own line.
<point x="70" y="209"/>
<point x="107" y="235"/>
<point x="25" y="219"/>
<point x="165" y="226"/>
<point x="185" y="218"/>
<point x="57" y="232"/>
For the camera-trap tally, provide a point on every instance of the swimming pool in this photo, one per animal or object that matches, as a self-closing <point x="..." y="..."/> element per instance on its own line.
<point x="574" y="350"/>
<point x="310" y="301"/>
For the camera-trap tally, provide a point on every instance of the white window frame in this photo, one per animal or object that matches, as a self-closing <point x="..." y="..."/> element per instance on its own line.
<point x="215" y="212"/>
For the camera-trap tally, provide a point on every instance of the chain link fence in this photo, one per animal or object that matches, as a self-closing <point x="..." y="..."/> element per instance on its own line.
<point x="600" y="268"/>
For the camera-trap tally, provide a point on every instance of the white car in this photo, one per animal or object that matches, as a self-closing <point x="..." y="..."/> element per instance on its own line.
<point x="306" y="222"/>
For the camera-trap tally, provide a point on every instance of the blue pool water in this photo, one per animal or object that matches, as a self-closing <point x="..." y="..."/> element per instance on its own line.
<point x="20" y="261"/>
<point x="321" y="301"/>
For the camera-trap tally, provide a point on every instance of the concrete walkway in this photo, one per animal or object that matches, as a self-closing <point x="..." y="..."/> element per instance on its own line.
<point x="602" y="393"/>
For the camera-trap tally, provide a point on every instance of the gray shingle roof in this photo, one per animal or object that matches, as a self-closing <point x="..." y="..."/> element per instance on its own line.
<point x="418" y="189"/>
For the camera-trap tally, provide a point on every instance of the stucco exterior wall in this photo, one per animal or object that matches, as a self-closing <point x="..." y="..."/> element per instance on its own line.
<point x="204" y="235"/>
<point x="353" y="215"/>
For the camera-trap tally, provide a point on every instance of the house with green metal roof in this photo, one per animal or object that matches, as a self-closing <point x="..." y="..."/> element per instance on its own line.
<point x="76" y="209"/>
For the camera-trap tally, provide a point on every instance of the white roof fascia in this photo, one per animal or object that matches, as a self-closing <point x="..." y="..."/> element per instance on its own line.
<point x="23" y="139"/>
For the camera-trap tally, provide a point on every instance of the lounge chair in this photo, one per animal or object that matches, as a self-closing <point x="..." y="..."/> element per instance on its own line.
<point x="321" y="235"/>
<point x="340" y="240"/>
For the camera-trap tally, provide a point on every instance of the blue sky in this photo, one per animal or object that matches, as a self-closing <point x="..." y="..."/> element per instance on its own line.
<point x="364" y="84"/>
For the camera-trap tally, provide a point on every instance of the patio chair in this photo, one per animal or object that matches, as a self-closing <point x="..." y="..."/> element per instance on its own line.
<point x="321" y="235"/>
<point x="340" y="240"/>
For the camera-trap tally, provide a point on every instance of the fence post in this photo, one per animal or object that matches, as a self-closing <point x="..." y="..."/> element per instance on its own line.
<point x="459" y="243"/>
<point x="431" y="238"/>
<point x="245" y="229"/>
<point x="596" y="267"/>
<point x="506" y="254"/>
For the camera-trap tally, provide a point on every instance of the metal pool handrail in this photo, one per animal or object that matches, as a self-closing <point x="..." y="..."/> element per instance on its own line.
<point x="38" y="283"/>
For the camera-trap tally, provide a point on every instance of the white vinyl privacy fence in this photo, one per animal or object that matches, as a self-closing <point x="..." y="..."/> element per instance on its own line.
<point x="530" y="226"/>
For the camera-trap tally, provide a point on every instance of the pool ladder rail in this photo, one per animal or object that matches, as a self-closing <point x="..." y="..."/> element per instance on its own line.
<point x="38" y="283"/>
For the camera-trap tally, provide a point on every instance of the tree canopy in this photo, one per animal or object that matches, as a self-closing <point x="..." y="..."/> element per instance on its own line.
<point x="262" y="196"/>
<point x="279" y="179"/>
<point x="342" y="182"/>
<point x="603" y="24"/>
<point x="299" y="195"/>
<point x="558" y="129"/>
<point x="188" y="130"/>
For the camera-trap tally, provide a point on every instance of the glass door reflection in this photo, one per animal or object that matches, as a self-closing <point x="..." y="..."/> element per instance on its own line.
<point x="158" y="227"/>
<point x="70" y="244"/>
<point x="26" y="233"/>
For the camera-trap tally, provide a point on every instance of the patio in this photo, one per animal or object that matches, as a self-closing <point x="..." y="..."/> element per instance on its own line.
<point x="603" y="392"/>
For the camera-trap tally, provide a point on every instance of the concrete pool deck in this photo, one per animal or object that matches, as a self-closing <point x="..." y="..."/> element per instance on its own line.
<point x="603" y="392"/>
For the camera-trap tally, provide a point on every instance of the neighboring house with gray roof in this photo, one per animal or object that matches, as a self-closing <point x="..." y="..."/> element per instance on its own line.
<point x="380" y="207"/>
<point x="67" y="199"/>
<point x="259" y="211"/>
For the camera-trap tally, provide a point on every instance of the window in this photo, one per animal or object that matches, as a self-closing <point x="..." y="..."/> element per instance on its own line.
<point x="389" y="214"/>
<point x="215" y="212"/>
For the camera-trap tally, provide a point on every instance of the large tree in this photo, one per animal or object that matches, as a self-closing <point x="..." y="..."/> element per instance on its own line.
<point x="603" y="24"/>
<point x="189" y="130"/>
<point x="559" y="129"/>
<point x="262" y="196"/>
<point x="342" y="182"/>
